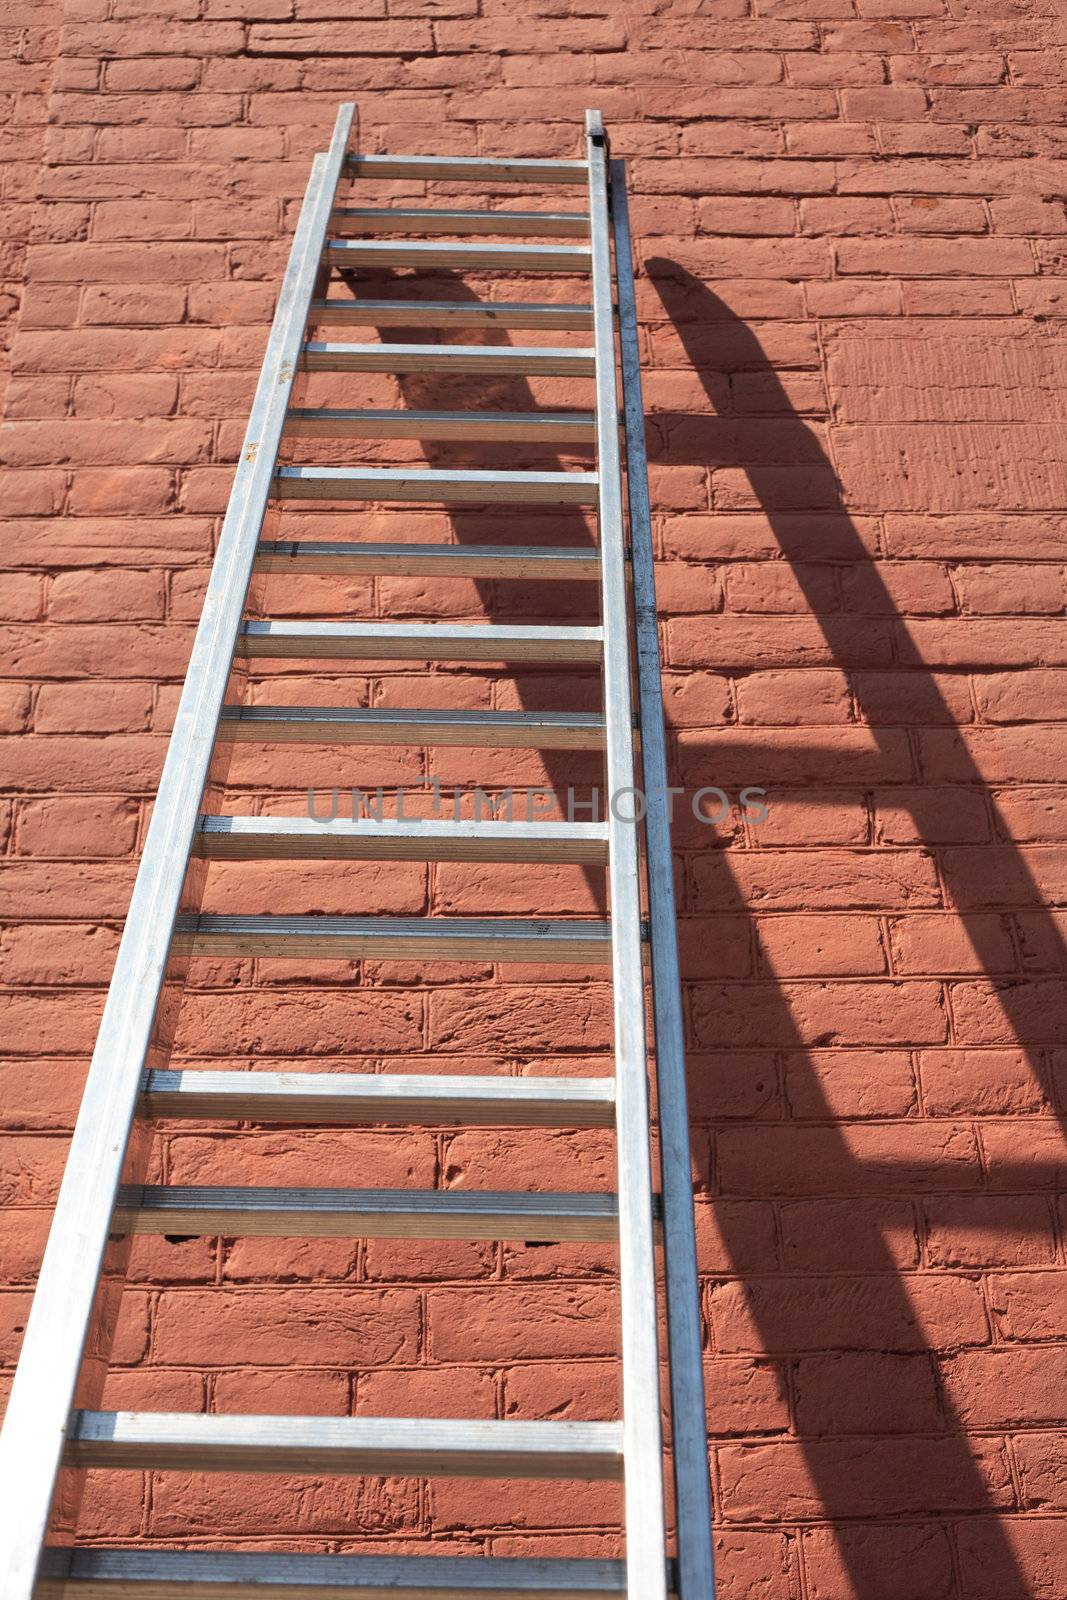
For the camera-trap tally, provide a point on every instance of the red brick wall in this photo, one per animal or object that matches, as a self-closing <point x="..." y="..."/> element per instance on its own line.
<point x="30" y="35"/>
<point x="851" y="217"/>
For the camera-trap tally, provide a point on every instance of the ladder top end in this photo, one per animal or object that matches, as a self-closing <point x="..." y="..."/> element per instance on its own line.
<point x="346" y="123"/>
<point x="594" y="125"/>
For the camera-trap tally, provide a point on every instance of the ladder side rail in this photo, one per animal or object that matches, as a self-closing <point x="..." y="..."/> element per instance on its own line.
<point x="642" y="1429"/>
<point x="61" y="1317"/>
<point x="695" y="1559"/>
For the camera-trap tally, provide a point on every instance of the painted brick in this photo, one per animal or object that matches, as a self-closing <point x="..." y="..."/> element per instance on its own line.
<point x="432" y="1392"/>
<point x="887" y="1561"/>
<point x="866" y="1394"/>
<point x="521" y="1323"/>
<point x="959" y="1228"/>
<point x="736" y="1236"/>
<point x="542" y="1507"/>
<point x="254" y="1326"/>
<point x="321" y="1023"/>
<point x="849" y="1235"/>
<point x="747" y="1560"/>
<point x="850" y="1083"/>
<point x="584" y="1390"/>
<point x="1041" y="1167"/>
<point x="1010" y="1388"/>
<point x="1041" y="1472"/>
<point x="816" y="1013"/>
<point x="745" y="1396"/>
<point x="789" y="880"/>
<point x="1037" y="696"/>
<point x="794" y="698"/>
<point x="391" y="1161"/>
<point x="867" y="1159"/>
<point x="1013" y="1557"/>
<point x="977" y="1082"/>
<point x="300" y="1393"/>
<point x="853" y="284"/>
<point x="959" y="467"/>
<point x="814" y="816"/>
<point x="862" y="1478"/>
<point x="841" y="945"/>
<point x="922" y="944"/>
<point x="907" y="380"/>
<point x="1027" y="1307"/>
<point x="219" y="1505"/>
<point x="91" y="597"/>
<point x="36" y="956"/>
<point x="731" y="1084"/>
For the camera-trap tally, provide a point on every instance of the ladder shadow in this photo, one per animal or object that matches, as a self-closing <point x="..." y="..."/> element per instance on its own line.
<point x="935" y="1474"/>
<point x="876" y="1477"/>
<point x="531" y="599"/>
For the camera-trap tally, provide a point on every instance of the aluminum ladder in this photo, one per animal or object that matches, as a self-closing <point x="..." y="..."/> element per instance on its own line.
<point x="53" y="1431"/>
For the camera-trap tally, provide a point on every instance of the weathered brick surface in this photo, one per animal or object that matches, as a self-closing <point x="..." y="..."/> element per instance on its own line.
<point x="30" y="33"/>
<point x="851" y="222"/>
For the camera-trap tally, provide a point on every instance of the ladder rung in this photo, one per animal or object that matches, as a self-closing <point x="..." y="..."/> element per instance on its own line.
<point x="397" y="219"/>
<point x="366" y="1214"/>
<point x="548" y="427"/>
<point x="473" y="167"/>
<point x="451" y="313"/>
<point x="420" y="641"/>
<point x="434" y="487"/>
<point x="423" y="1447"/>
<point x="340" y="1098"/>
<point x="393" y="938"/>
<point x="533" y="730"/>
<point x="530" y="360"/>
<point x="422" y="839"/>
<point x="259" y="1575"/>
<point x="347" y="254"/>
<point x="439" y="560"/>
